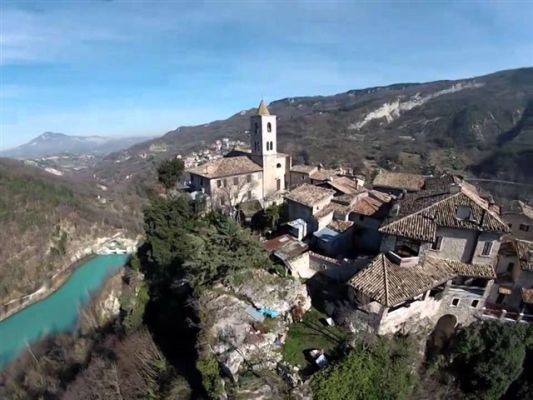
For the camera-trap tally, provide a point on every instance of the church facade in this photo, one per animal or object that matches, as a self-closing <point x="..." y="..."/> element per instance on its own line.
<point x="261" y="174"/>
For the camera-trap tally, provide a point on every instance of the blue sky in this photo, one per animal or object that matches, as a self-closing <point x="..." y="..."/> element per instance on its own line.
<point x="143" y="68"/>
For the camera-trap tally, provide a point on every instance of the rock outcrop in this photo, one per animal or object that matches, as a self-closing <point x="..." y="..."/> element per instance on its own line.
<point x="240" y="341"/>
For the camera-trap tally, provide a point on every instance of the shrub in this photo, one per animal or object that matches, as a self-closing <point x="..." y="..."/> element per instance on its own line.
<point x="381" y="369"/>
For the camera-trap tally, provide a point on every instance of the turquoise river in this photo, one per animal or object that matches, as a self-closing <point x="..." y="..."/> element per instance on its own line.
<point x="59" y="312"/>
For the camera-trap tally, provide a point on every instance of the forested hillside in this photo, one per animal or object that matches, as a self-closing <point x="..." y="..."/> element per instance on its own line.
<point x="475" y="126"/>
<point x="47" y="220"/>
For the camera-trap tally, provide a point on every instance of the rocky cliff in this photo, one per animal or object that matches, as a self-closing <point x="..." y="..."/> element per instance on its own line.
<point x="246" y="344"/>
<point x="49" y="223"/>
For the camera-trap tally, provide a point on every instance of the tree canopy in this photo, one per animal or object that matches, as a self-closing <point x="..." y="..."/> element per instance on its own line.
<point x="380" y="369"/>
<point x="201" y="249"/>
<point x="488" y="357"/>
<point x="170" y="171"/>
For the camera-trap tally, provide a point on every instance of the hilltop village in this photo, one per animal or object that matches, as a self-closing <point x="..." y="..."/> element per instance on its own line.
<point x="411" y="249"/>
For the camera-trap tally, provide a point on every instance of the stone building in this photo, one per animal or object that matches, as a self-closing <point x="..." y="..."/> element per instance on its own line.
<point x="455" y="224"/>
<point x="293" y="253"/>
<point x="311" y="204"/>
<point x="261" y="174"/>
<point x="512" y="294"/>
<point x="439" y="252"/>
<point x="399" y="294"/>
<point x="519" y="217"/>
<point x="397" y="182"/>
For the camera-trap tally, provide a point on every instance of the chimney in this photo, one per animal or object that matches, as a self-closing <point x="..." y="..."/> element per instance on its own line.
<point x="454" y="188"/>
<point x="395" y="210"/>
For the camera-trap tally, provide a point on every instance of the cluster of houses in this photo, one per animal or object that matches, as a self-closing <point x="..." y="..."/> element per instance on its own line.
<point x="409" y="248"/>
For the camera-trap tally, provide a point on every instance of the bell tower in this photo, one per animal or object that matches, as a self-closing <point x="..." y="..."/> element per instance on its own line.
<point x="263" y="132"/>
<point x="263" y="141"/>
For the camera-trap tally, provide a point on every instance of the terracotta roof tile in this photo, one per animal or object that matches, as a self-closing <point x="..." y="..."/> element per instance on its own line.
<point x="309" y="195"/>
<point x="343" y="184"/>
<point x="323" y="174"/>
<point x="421" y="213"/>
<point x="399" y="180"/>
<point x="226" y="166"/>
<point x="391" y="284"/>
<point x="340" y="226"/>
<point x="306" y="169"/>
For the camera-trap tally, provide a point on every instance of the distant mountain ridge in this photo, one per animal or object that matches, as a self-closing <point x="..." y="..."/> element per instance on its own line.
<point x="459" y="126"/>
<point x="51" y="143"/>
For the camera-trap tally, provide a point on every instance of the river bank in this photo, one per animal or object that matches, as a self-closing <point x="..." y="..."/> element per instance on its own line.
<point x="60" y="312"/>
<point x="56" y="281"/>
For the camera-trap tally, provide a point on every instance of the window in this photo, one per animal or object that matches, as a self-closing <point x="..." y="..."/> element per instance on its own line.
<point x="524" y="227"/>
<point x="249" y="194"/>
<point x="437" y="244"/>
<point x="302" y="177"/>
<point x="500" y="298"/>
<point x="225" y="181"/>
<point x="256" y="127"/>
<point x="463" y="212"/>
<point x="222" y="201"/>
<point x="269" y="127"/>
<point x="248" y="178"/>
<point x="474" y="303"/>
<point x="219" y="183"/>
<point x="278" y="184"/>
<point x="455" y="302"/>
<point x="487" y="247"/>
<point x="236" y="180"/>
<point x="510" y="267"/>
<point x="278" y="165"/>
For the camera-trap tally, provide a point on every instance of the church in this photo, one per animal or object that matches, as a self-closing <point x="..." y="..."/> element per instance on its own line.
<point x="261" y="174"/>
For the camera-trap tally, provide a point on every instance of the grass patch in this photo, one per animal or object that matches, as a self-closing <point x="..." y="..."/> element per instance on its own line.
<point x="311" y="333"/>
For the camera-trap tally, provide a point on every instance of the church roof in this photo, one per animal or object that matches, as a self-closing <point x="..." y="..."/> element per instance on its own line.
<point x="227" y="166"/>
<point x="262" y="109"/>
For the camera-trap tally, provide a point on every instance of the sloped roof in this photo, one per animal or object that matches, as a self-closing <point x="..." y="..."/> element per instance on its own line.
<point x="519" y="207"/>
<point x="343" y="184"/>
<point x="391" y="284"/>
<point x="469" y="270"/>
<point x="308" y="194"/>
<point x="399" y="180"/>
<point x="262" y="109"/>
<point x="323" y="174"/>
<point x="285" y="247"/>
<point x="302" y="168"/>
<point x="372" y="205"/>
<point x="226" y="166"/>
<point x="340" y="226"/>
<point x="421" y="213"/>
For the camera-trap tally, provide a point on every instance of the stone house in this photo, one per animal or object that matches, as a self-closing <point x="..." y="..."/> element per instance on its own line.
<point x="335" y="239"/>
<point x="312" y="204"/>
<point x="397" y="182"/>
<point x="439" y="252"/>
<point x="293" y="253"/>
<point x="262" y="174"/>
<point x="455" y="224"/>
<point x="342" y="185"/>
<point x="313" y="174"/>
<point x="368" y="214"/>
<point x="512" y="293"/>
<point x="519" y="217"/>
<point x="400" y="293"/>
